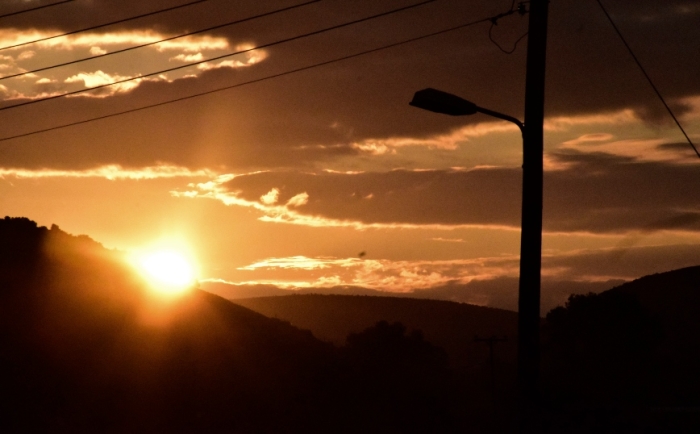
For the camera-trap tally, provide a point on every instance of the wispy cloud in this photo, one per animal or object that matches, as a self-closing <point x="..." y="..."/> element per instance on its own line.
<point x="449" y="141"/>
<point x="564" y="123"/>
<point x="192" y="44"/>
<point x="452" y="140"/>
<point x="302" y="263"/>
<point x="292" y="212"/>
<point x="111" y="172"/>
<point x="100" y="78"/>
<point x="656" y="149"/>
<point x="491" y="281"/>
<point x="591" y="192"/>
<point x="379" y="274"/>
<point x="96" y="73"/>
<point x="448" y="240"/>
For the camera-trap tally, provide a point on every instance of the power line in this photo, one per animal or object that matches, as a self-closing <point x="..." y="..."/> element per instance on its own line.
<point x="247" y="50"/>
<point x="161" y="40"/>
<point x="651" y="83"/>
<point x="24" y="11"/>
<point x="172" y="8"/>
<point x="257" y="80"/>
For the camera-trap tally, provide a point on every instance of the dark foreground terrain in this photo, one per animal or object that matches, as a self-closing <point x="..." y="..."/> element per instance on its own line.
<point x="85" y="346"/>
<point x="625" y="360"/>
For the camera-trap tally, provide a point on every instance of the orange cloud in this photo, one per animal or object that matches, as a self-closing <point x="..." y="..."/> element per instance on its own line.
<point x="270" y="198"/>
<point x="74" y="77"/>
<point x="381" y="274"/>
<point x="564" y="123"/>
<point x="111" y="172"/>
<point x="448" y="240"/>
<point x="275" y="213"/>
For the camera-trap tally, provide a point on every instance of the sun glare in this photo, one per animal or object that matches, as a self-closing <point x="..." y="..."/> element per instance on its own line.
<point x="168" y="271"/>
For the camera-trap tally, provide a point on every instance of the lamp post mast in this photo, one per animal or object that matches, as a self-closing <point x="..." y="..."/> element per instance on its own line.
<point x="531" y="232"/>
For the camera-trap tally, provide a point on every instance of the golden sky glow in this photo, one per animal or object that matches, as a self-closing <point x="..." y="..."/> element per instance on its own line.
<point x="326" y="177"/>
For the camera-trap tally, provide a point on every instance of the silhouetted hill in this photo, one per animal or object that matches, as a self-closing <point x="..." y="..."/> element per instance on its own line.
<point x="449" y="325"/>
<point x="627" y="357"/>
<point x="86" y="346"/>
<point x="673" y="301"/>
<point x="237" y="292"/>
<point x="673" y="296"/>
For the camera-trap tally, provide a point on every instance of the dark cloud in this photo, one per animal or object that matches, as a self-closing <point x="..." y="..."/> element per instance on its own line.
<point x="598" y="193"/>
<point x="657" y="114"/>
<point x="604" y="193"/>
<point x="627" y="262"/>
<point x="680" y="147"/>
<point x="400" y="196"/>
<point x="301" y="119"/>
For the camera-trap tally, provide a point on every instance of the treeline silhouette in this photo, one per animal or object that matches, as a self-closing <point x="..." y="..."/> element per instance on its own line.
<point x="85" y="346"/>
<point x="451" y="326"/>
<point x="625" y="360"/>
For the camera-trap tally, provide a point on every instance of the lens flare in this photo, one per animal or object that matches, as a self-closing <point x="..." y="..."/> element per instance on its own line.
<point x="167" y="271"/>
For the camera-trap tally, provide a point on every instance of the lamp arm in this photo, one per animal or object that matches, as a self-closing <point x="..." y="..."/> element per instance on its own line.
<point x="502" y="116"/>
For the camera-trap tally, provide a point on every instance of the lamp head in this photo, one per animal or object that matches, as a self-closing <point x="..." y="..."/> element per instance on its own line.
<point x="442" y="102"/>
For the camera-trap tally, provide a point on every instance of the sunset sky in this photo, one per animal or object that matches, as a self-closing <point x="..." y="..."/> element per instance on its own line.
<point x="326" y="177"/>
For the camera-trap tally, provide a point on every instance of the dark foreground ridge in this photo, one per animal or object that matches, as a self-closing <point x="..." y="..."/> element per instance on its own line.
<point x="85" y="346"/>
<point x="452" y="326"/>
<point x="625" y="360"/>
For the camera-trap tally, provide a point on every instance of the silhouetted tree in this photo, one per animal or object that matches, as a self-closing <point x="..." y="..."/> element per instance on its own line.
<point x="599" y="354"/>
<point x="398" y="382"/>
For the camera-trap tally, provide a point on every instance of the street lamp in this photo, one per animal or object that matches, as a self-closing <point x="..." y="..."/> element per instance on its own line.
<point x="531" y="233"/>
<point x="532" y="130"/>
<point x="442" y="102"/>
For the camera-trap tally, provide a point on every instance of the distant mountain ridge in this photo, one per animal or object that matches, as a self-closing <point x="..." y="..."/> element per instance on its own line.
<point x="452" y="326"/>
<point x="667" y="292"/>
<point x="499" y="292"/>
<point x="673" y="296"/>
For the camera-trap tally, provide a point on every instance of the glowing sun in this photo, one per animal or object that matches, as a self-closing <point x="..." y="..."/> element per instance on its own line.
<point x="168" y="271"/>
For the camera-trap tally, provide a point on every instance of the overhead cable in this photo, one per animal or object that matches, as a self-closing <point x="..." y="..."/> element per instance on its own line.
<point x="99" y="26"/>
<point x="257" y="80"/>
<point x="651" y="83"/>
<point x="36" y="8"/>
<point x="522" y="10"/>
<point x="123" y="50"/>
<point x="187" y="65"/>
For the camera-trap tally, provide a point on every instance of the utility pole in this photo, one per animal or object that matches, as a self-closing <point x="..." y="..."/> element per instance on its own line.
<point x="490" y="342"/>
<point x="531" y="233"/>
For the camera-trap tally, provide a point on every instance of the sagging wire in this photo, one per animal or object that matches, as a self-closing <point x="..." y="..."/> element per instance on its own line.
<point x="521" y="10"/>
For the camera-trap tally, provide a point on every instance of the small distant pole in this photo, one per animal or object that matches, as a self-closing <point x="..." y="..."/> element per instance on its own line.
<point x="491" y="341"/>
